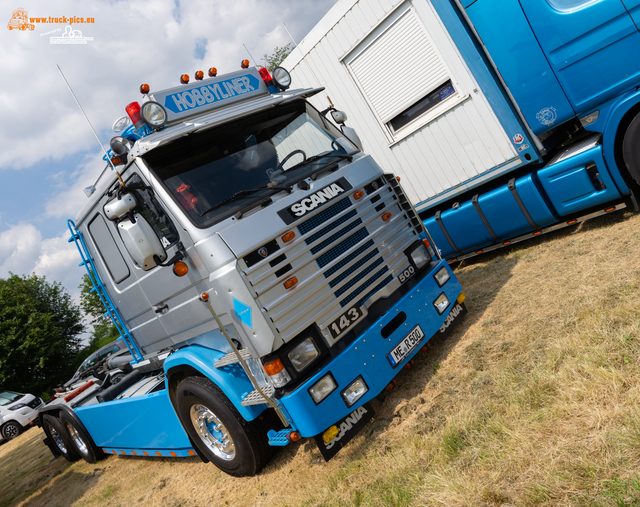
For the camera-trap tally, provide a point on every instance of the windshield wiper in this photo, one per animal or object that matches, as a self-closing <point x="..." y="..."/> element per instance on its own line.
<point x="247" y="192"/>
<point x="315" y="158"/>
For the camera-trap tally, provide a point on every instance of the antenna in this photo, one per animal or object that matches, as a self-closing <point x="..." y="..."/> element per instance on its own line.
<point x="295" y="44"/>
<point x="92" y="129"/>
<point x="252" y="58"/>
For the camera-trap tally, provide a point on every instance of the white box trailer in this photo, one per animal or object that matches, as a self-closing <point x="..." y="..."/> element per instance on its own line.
<point x="419" y="108"/>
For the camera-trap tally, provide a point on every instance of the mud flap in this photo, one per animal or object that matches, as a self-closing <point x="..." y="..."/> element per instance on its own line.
<point x="456" y="314"/>
<point x="349" y="427"/>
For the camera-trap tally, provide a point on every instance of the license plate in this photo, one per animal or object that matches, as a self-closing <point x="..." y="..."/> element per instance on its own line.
<point x="406" y="346"/>
<point x="345" y="321"/>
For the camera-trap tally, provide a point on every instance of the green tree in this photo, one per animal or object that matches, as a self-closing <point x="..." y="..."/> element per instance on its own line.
<point x="277" y="57"/>
<point x="103" y="329"/>
<point x="40" y="331"/>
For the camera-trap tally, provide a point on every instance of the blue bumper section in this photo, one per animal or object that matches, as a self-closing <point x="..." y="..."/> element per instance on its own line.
<point x="367" y="356"/>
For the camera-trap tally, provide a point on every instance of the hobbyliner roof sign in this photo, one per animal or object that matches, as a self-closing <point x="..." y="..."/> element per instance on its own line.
<point x="203" y="96"/>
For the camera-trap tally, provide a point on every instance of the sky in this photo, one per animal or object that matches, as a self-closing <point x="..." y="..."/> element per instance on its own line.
<point x="48" y="153"/>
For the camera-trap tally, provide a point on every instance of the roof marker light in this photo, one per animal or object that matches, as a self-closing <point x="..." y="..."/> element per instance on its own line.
<point x="184" y="79"/>
<point x="244" y="64"/>
<point x="199" y="75"/>
<point x="144" y="88"/>
<point x="133" y="110"/>
<point x="266" y="77"/>
<point x="213" y="72"/>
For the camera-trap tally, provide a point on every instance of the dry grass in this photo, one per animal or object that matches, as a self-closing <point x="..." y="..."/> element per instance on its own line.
<point x="532" y="401"/>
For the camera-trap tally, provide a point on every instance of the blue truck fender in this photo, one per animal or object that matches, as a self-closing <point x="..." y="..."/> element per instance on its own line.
<point x="613" y="120"/>
<point x="230" y="379"/>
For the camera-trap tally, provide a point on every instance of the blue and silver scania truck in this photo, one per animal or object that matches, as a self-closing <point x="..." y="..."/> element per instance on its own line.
<point x="268" y="277"/>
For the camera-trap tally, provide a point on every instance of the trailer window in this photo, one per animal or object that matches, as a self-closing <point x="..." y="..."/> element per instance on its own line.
<point x="401" y="74"/>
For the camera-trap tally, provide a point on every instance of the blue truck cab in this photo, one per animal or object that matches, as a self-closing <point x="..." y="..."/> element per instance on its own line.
<point x="567" y="71"/>
<point x="267" y="276"/>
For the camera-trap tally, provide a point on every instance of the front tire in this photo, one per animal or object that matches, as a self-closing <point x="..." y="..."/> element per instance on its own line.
<point x="631" y="148"/>
<point x="80" y="441"/>
<point x="11" y="430"/>
<point x="237" y="447"/>
<point x="54" y="430"/>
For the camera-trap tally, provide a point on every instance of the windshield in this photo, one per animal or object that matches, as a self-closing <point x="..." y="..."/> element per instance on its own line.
<point x="7" y="397"/>
<point x="218" y="172"/>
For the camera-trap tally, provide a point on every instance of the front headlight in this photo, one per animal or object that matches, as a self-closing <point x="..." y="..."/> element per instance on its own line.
<point x="420" y="256"/>
<point x="442" y="276"/>
<point x="322" y="388"/>
<point x="153" y="114"/>
<point x="18" y="406"/>
<point x="303" y="354"/>
<point x="356" y="390"/>
<point x="441" y="303"/>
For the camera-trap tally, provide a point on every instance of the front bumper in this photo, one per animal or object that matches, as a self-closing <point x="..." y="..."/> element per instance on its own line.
<point x="367" y="356"/>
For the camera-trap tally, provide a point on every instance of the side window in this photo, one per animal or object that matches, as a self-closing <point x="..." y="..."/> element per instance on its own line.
<point x="151" y="210"/>
<point x="108" y="250"/>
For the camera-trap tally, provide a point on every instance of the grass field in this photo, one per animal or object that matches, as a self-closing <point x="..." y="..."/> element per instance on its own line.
<point x="533" y="400"/>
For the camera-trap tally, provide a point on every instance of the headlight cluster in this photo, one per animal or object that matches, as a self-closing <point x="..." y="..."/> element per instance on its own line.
<point x="303" y="354"/>
<point x="293" y="360"/>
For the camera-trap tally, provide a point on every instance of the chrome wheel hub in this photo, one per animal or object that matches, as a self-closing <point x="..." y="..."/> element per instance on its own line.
<point x="57" y="439"/>
<point x="212" y="432"/>
<point x="75" y="436"/>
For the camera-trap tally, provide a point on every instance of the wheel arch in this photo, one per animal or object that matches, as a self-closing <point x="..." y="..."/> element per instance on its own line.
<point x="620" y="115"/>
<point x="197" y="360"/>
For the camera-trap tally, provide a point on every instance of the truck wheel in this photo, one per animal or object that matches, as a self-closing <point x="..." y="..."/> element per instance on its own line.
<point x="55" y="432"/>
<point x="11" y="430"/>
<point x="81" y="442"/>
<point x="631" y="148"/>
<point x="235" y="446"/>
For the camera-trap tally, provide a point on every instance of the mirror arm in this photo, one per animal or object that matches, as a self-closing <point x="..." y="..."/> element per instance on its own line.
<point x="178" y="256"/>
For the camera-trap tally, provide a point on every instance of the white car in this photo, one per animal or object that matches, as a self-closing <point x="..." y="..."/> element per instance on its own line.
<point x="17" y="411"/>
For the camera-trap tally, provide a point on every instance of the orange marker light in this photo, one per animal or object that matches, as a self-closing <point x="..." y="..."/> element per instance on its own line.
<point x="123" y="452"/>
<point x="199" y="75"/>
<point x="273" y="367"/>
<point x="358" y="194"/>
<point x="191" y="453"/>
<point x="478" y="251"/>
<point x="386" y="217"/>
<point x="173" y="453"/>
<point x="184" y="79"/>
<point x="145" y="453"/>
<point x="204" y="296"/>
<point x="506" y="242"/>
<point x="398" y="178"/>
<point x="291" y="282"/>
<point x="535" y="233"/>
<point x="213" y="72"/>
<point x="133" y="452"/>
<point x="158" y="453"/>
<point x="609" y="209"/>
<point x="426" y="243"/>
<point x="144" y="88"/>
<point x="571" y="222"/>
<point x="244" y="64"/>
<point x="294" y="436"/>
<point x="288" y="236"/>
<point x="180" y="268"/>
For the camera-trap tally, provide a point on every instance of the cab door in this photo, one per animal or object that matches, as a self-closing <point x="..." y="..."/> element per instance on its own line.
<point x="592" y="46"/>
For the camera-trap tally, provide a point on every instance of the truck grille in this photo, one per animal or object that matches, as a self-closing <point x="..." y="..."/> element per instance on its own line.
<point x="342" y="256"/>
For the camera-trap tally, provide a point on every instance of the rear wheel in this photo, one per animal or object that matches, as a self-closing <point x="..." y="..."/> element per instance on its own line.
<point x="631" y="148"/>
<point x="81" y="442"/>
<point x="235" y="446"/>
<point x="11" y="430"/>
<point x="54" y="430"/>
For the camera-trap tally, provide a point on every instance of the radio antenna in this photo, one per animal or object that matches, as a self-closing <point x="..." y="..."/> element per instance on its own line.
<point x="91" y="126"/>
<point x="252" y="58"/>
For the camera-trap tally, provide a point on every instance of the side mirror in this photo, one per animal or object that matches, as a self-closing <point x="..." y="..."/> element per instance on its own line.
<point x="339" y="117"/>
<point x="141" y="242"/>
<point x="352" y="136"/>
<point x="119" y="206"/>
